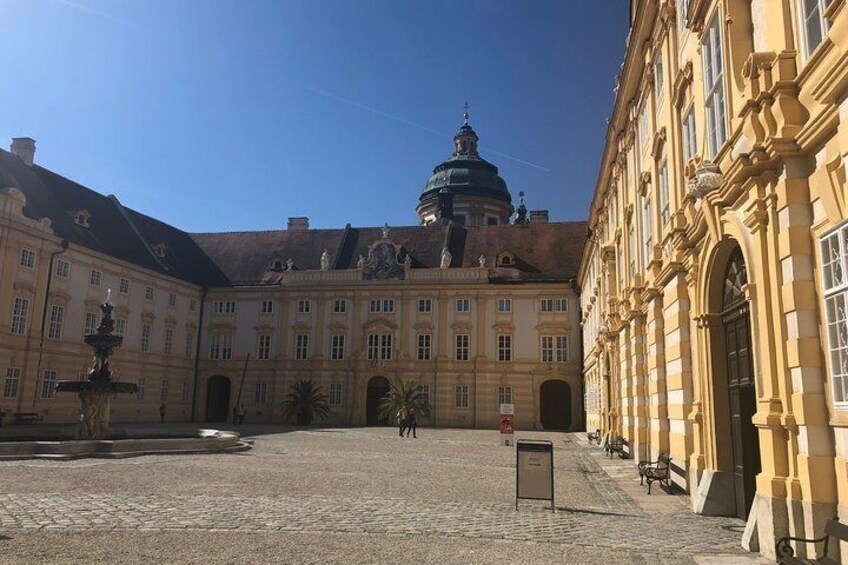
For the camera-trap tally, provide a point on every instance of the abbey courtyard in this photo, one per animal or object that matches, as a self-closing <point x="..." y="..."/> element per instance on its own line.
<point x="694" y="324"/>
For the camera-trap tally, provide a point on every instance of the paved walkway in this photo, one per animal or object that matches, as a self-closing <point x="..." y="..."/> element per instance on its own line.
<point x="362" y="492"/>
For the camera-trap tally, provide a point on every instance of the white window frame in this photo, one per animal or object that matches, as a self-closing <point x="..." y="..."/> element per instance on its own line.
<point x="124" y="286"/>
<point x="142" y="384"/>
<point x="164" y="386"/>
<point x="48" y="383"/>
<point x="690" y="133"/>
<point x="148" y="292"/>
<point x="304" y="306"/>
<point x="461" y="396"/>
<point x="647" y="231"/>
<point x="424" y="391"/>
<point x="425" y="346"/>
<point x="504" y="395"/>
<point x="336" y="394"/>
<point x="146" y="332"/>
<point x="12" y="385"/>
<point x="27" y="258"/>
<point x="833" y="249"/>
<point x="715" y="95"/>
<point x="337" y="347"/>
<point x="169" y="340"/>
<point x="260" y="393"/>
<point x="504" y="347"/>
<point x="425" y="305"/>
<point x="95" y="277"/>
<point x="504" y="305"/>
<point x="63" y="268"/>
<point x="340" y="306"/>
<point x="189" y="344"/>
<point x="90" y="324"/>
<point x="301" y="347"/>
<point x="665" y="203"/>
<point x="20" y="315"/>
<point x="547" y="348"/>
<point x="57" y="319"/>
<point x="263" y="347"/>
<point x="266" y="307"/>
<point x="814" y="18"/>
<point x="462" y="351"/>
<point x="463" y="305"/>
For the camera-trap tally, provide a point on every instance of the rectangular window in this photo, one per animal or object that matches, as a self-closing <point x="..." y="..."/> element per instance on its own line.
<point x="335" y="394"/>
<point x="48" y="384"/>
<point x="145" y="337"/>
<point x="631" y="240"/>
<point x="120" y="326"/>
<point x="462" y="341"/>
<point x="561" y="305"/>
<point x="192" y="305"/>
<point x="148" y="292"/>
<point x="711" y="49"/>
<point x="261" y="394"/>
<point x="301" y="347"/>
<point x="463" y="305"/>
<point x="266" y="307"/>
<point x="373" y="346"/>
<point x="221" y="347"/>
<point x="90" y="323"/>
<point x="304" y="306"/>
<point x="648" y="232"/>
<point x="424" y="391"/>
<point x="163" y="390"/>
<point x="461" y="396"/>
<point x="263" y="347"/>
<point x="95" y="277"/>
<point x="682" y="13"/>
<point x="814" y="25"/>
<point x="546" y="305"/>
<point x="224" y="307"/>
<point x="424" y="343"/>
<point x="425" y="305"/>
<point x="690" y="139"/>
<point x="385" y="346"/>
<point x="834" y="258"/>
<point x="337" y="347"/>
<point x="562" y="349"/>
<point x="185" y="393"/>
<point x="20" y="312"/>
<point x="124" y="286"/>
<point x="504" y="305"/>
<point x="139" y="395"/>
<point x="505" y="347"/>
<point x="380" y="346"/>
<point x="172" y="299"/>
<point x="57" y="318"/>
<point x="658" y="75"/>
<point x="27" y="258"/>
<point x="504" y="395"/>
<point x="388" y="305"/>
<point x="376" y="305"/>
<point x="63" y="268"/>
<point x="13" y="382"/>
<point x="169" y="340"/>
<point x="547" y="349"/>
<point x="339" y="306"/>
<point x="189" y="344"/>
<point x="665" y="206"/>
<point x="643" y="124"/>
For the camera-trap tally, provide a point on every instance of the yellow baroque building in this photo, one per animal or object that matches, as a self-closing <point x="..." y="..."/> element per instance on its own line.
<point x="714" y="284"/>
<point x="477" y="307"/>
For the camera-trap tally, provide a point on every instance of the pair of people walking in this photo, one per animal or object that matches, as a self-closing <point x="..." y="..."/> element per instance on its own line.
<point x="407" y="422"/>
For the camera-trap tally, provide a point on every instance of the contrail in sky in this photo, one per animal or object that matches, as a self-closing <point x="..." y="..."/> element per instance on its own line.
<point x="416" y="125"/>
<point x="96" y="12"/>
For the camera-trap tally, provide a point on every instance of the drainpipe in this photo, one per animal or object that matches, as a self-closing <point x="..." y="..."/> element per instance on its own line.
<point x="64" y="248"/>
<point x="197" y="352"/>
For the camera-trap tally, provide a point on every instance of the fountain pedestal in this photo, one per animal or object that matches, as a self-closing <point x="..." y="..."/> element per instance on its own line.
<point x="98" y="390"/>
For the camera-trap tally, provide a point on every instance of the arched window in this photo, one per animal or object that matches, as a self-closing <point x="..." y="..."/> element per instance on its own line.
<point x="735" y="278"/>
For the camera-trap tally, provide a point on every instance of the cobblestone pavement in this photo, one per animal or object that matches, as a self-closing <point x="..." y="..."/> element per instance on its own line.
<point x="351" y="496"/>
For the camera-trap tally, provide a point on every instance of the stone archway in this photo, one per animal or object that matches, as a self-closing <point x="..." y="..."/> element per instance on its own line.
<point x="555" y="405"/>
<point x="378" y="388"/>
<point x="733" y="380"/>
<point x="217" y="398"/>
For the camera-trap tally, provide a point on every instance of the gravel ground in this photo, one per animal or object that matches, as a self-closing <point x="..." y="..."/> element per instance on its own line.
<point x="346" y="496"/>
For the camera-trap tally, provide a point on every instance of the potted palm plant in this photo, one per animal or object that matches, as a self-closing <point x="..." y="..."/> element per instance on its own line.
<point x="305" y="401"/>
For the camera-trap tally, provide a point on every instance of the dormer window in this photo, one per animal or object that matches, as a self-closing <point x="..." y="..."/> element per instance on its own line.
<point x="81" y="218"/>
<point x="159" y="250"/>
<point x="276" y="265"/>
<point x="506" y="259"/>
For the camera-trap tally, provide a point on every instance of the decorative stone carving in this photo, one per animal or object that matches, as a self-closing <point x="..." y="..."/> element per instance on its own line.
<point x="707" y="178"/>
<point x="382" y="261"/>
<point x="325" y="260"/>
<point x="360" y="263"/>
<point x="446" y="258"/>
<point x="407" y="261"/>
<point x="290" y="264"/>
<point x="481" y="261"/>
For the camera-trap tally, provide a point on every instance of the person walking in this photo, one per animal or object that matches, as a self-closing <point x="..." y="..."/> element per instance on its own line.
<point x="412" y="423"/>
<point x="401" y="420"/>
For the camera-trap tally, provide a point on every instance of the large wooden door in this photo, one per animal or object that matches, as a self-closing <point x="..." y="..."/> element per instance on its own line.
<point x="742" y="396"/>
<point x="555" y="405"/>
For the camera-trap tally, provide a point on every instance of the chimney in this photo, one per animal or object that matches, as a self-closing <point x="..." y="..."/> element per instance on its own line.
<point x="298" y="223"/>
<point x="24" y="148"/>
<point x="538" y="216"/>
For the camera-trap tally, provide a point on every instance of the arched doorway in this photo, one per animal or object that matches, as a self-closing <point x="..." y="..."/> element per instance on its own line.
<point x="734" y="385"/>
<point x="555" y="405"/>
<point x="217" y="398"/>
<point x="378" y="388"/>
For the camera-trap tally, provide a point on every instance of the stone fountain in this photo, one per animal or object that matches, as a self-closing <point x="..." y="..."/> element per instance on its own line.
<point x="98" y="389"/>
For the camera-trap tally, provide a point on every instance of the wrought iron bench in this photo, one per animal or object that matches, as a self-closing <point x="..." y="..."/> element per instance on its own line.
<point x="27" y="418"/>
<point x="832" y="529"/>
<point x="615" y="444"/>
<point x="656" y="471"/>
<point x="594" y="437"/>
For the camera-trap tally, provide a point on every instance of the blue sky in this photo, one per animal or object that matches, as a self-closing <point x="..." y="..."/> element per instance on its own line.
<point x="227" y="116"/>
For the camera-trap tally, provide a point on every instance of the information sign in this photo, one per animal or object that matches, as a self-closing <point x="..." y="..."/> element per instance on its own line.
<point x="507" y="420"/>
<point x="534" y="471"/>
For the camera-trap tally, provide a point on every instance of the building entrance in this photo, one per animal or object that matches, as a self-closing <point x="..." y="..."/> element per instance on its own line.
<point x="217" y="398"/>
<point x="378" y="388"/>
<point x="555" y="405"/>
<point x="741" y="392"/>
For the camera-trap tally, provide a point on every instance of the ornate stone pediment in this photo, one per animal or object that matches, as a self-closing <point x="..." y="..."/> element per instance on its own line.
<point x="383" y="261"/>
<point x="380" y="324"/>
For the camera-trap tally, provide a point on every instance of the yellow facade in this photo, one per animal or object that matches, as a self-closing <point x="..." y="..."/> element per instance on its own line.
<point x="711" y="297"/>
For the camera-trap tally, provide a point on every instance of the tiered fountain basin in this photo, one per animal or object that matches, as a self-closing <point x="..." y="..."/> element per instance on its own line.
<point x="48" y="442"/>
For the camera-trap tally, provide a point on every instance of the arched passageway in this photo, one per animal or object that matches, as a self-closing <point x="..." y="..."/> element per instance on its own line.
<point x="555" y="405"/>
<point x="378" y="388"/>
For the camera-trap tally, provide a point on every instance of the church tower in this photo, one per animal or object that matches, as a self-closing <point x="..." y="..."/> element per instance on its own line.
<point x="466" y="189"/>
